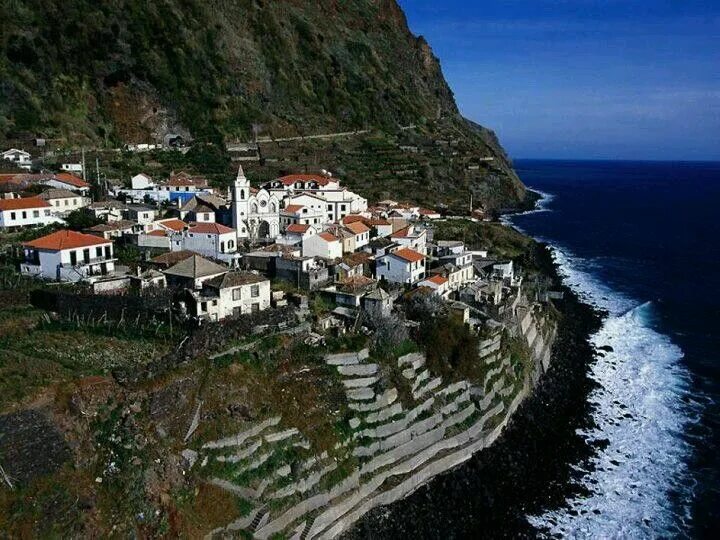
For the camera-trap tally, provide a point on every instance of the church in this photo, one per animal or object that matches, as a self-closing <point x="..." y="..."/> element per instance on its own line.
<point x="255" y="213"/>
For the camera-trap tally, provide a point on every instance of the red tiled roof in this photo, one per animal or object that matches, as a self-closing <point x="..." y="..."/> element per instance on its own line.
<point x="358" y="227"/>
<point x="293" y="208"/>
<point x="437" y="280"/>
<point x="22" y="204"/>
<point x="184" y="179"/>
<point x="290" y="179"/>
<point x="409" y="255"/>
<point x="157" y="232"/>
<point x="174" y="224"/>
<point x="328" y="237"/>
<point x="297" y="228"/>
<point x="66" y="240"/>
<point x="67" y="178"/>
<point x="402" y="233"/>
<point x="353" y="218"/>
<point x="379" y="222"/>
<point x="209" y="228"/>
<point x="426" y="212"/>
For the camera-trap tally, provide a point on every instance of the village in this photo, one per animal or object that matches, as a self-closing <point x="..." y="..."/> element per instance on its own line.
<point x="250" y="248"/>
<point x="351" y="341"/>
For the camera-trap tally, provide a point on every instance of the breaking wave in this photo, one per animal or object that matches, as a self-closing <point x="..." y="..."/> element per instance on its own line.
<point x="637" y="483"/>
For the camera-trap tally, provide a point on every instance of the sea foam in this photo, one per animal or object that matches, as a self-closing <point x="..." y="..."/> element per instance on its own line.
<point x="637" y="481"/>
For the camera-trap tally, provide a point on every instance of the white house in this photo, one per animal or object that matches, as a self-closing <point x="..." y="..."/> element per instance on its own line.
<point x="437" y="283"/>
<point x="230" y="295"/>
<point x="143" y="215"/>
<point x="25" y="212"/>
<point x="301" y="215"/>
<point x="106" y="210"/>
<point x="209" y="239"/>
<point x="411" y="237"/>
<point x="68" y="181"/>
<point x="72" y="167"/>
<point x="68" y="256"/>
<point x="20" y="158"/>
<point x="323" y="245"/>
<point x="361" y="232"/>
<point x="295" y="233"/>
<point x="401" y="266"/>
<point x="141" y="181"/>
<point x="64" y="201"/>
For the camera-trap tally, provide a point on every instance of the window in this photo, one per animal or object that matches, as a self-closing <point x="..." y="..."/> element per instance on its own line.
<point x="75" y="202"/>
<point x="255" y="308"/>
<point x="214" y="302"/>
<point x="47" y="212"/>
<point x="12" y="215"/>
<point x="343" y="207"/>
<point x="203" y="306"/>
<point x="236" y="294"/>
<point x="66" y="202"/>
<point x="329" y="207"/>
<point x="98" y="252"/>
<point x="254" y="291"/>
<point x="36" y="213"/>
<point x="24" y="215"/>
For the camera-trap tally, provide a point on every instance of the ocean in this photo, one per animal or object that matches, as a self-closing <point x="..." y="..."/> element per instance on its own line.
<point x="624" y="443"/>
<point x="642" y="241"/>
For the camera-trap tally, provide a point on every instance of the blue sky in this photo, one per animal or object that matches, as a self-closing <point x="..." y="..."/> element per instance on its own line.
<point x="612" y="79"/>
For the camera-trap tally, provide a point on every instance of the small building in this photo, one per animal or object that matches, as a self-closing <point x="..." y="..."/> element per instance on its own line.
<point x="20" y="158"/>
<point x="307" y="273"/>
<point x="26" y="212"/>
<point x="141" y="181"/>
<point x="68" y="256"/>
<point x="143" y="215"/>
<point x="68" y="181"/>
<point x="209" y="239"/>
<point x="361" y="232"/>
<point x="377" y="301"/>
<point x="171" y="258"/>
<point x="112" y="229"/>
<point x="437" y="283"/>
<point x="403" y="265"/>
<point x="323" y="245"/>
<point x="64" y="201"/>
<point x="350" y="291"/>
<point x="192" y="272"/>
<point x="106" y="210"/>
<point x="295" y="233"/>
<point x="411" y="237"/>
<point x="230" y="295"/>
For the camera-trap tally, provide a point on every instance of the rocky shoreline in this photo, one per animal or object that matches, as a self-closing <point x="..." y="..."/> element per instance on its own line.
<point x="528" y="468"/>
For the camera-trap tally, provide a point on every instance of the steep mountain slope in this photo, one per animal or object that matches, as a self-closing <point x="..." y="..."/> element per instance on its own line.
<point x="132" y="71"/>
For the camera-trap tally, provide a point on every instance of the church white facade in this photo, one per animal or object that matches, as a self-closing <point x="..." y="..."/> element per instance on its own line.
<point x="256" y="214"/>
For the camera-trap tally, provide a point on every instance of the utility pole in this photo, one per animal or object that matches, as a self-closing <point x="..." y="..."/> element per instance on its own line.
<point x="83" y="164"/>
<point x="471" y="207"/>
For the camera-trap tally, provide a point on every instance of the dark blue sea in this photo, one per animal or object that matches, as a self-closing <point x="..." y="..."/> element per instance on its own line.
<point x="642" y="241"/>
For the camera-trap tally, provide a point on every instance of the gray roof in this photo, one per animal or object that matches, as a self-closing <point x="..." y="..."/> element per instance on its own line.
<point x="377" y="294"/>
<point x="235" y="279"/>
<point x="195" y="267"/>
<point x="58" y="193"/>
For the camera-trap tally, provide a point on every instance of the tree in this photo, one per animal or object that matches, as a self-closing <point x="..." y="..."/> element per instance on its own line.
<point x="78" y="220"/>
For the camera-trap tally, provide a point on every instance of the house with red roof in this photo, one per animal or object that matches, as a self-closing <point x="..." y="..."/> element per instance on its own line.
<point x="325" y="245"/>
<point x="26" y="212"/>
<point x="68" y="256"/>
<point x="212" y="240"/>
<point x="295" y="233"/>
<point x="300" y="214"/>
<point x="438" y="283"/>
<point x="403" y="265"/>
<point x="411" y="237"/>
<point x="68" y="181"/>
<point x="361" y="233"/>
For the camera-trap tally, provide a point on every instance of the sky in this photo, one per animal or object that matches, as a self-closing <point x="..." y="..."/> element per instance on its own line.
<point x="583" y="79"/>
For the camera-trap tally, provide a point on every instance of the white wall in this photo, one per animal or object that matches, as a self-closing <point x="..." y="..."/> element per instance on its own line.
<point x="27" y="217"/>
<point x="316" y="246"/>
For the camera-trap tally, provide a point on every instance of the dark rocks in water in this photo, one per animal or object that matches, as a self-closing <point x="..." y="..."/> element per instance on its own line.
<point x="606" y="348"/>
<point x="30" y="445"/>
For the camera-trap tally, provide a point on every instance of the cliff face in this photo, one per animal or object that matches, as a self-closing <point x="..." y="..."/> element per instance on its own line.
<point x="105" y="73"/>
<point x="88" y="69"/>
